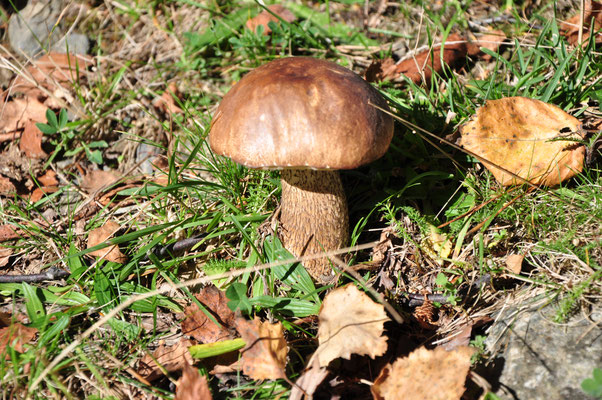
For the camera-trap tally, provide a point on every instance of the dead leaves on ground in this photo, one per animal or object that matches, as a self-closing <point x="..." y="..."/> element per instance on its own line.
<point x="266" y="352"/>
<point x="425" y="375"/>
<point x="265" y="17"/>
<point x="198" y="324"/>
<point x="592" y="15"/>
<point x="420" y="67"/>
<point x="101" y="235"/>
<point x="15" y="336"/>
<point x="350" y="323"/>
<point x="529" y="138"/>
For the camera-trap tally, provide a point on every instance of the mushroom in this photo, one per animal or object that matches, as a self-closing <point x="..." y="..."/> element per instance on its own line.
<point x="310" y="118"/>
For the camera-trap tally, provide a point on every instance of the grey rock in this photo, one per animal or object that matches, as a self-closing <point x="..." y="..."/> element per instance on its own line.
<point x="540" y="359"/>
<point x="34" y="29"/>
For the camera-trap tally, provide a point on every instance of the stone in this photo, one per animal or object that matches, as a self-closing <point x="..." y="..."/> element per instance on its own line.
<point x="34" y="29"/>
<point x="536" y="358"/>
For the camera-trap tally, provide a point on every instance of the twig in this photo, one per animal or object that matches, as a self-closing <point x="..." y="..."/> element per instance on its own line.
<point x="52" y="274"/>
<point x="177" y="247"/>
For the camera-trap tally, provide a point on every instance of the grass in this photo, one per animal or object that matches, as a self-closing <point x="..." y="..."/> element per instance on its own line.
<point x="419" y="184"/>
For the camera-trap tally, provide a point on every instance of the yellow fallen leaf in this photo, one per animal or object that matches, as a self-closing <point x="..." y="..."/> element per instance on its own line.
<point x="527" y="137"/>
<point x="265" y="355"/>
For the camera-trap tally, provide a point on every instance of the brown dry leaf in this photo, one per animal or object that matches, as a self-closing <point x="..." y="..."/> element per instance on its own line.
<point x="265" y="354"/>
<point x="308" y="382"/>
<point x="166" y="102"/>
<point x="420" y="67"/>
<point x="192" y="385"/>
<point x="264" y="17"/>
<point x="514" y="263"/>
<point x="51" y="71"/>
<point x="31" y="141"/>
<point x="516" y="133"/>
<point x="200" y="327"/>
<point x="425" y="375"/>
<point x="570" y="28"/>
<point x="5" y="254"/>
<point x="6" y="187"/>
<point x="8" y="232"/>
<point x="101" y="235"/>
<point x="40" y="192"/>
<point x="97" y="179"/>
<point x="171" y="358"/>
<point x="491" y="41"/>
<point x="16" y="336"/>
<point x="350" y="323"/>
<point x="17" y="112"/>
<point x="48" y="179"/>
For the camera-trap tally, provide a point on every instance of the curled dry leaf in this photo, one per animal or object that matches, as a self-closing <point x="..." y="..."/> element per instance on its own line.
<point x="266" y="351"/>
<point x="514" y="263"/>
<point x="350" y="323"/>
<point x="192" y="385"/>
<point x="171" y="358"/>
<point x="492" y="40"/>
<point x="420" y="67"/>
<point x="40" y="192"/>
<point x="264" y="17"/>
<point x="8" y="232"/>
<point x="48" y="179"/>
<point x="199" y="326"/>
<point x="101" y="235"/>
<point x="527" y="137"/>
<point x="570" y="28"/>
<point x="425" y="375"/>
<point x="15" y="336"/>
<point x="17" y="112"/>
<point x="5" y="254"/>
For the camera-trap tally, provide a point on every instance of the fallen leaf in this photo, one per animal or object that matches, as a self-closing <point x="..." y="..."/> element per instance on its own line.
<point x="48" y="179"/>
<point x="425" y="375"/>
<point x="166" y="102"/>
<point x="514" y="263"/>
<point x="264" y="17"/>
<point x="192" y="385"/>
<point x="6" y="187"/>
<point x="265" y="354"/>
<point x="437" y="245"/>
<point x="31" y="141"/>
<point x="424" y="315"/>
<point x="490" y="41"/>
<point x="350" y="323"/>
<point x="101" y="235"/>
<point x="8" y="232"/>
<point x="517" y="134"/>
<point x="308" y="382"/>
<point x="420" y="67"/>
<point x="570" y="28"/>
<point x="200" y="327"/>
<point x="19" y="111"/>
<point x="171" y="358"/>
<point x="40" y="192"/>
<point x="5" y="254"/>
<point x="98" y="179"/>
<point x="16" y="336"/>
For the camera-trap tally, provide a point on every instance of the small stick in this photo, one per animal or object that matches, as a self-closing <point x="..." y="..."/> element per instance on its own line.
<point x="417" y="299"/>
<point x="52" y="274"/>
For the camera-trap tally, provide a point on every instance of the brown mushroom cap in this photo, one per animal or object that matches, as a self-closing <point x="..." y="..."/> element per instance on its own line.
<point x="301" y="113"/>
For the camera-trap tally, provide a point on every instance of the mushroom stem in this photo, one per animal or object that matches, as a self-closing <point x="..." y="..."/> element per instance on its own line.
<point x="313" y="217"/>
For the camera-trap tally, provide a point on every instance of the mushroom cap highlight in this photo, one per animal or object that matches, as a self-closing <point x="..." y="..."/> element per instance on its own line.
<point x="300" y="113"/>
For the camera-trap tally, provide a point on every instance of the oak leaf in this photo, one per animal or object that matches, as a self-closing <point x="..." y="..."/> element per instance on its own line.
<point x="350" y="323"/>
<point x="266" y="351"/>
<point x="425" y="375"/>
<point x="530" y="138"/>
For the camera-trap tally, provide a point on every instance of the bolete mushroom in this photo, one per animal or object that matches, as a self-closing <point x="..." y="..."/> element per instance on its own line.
<point x="310" y="118"/>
